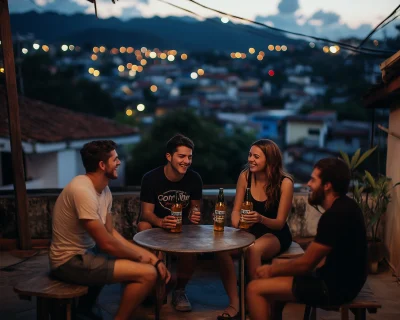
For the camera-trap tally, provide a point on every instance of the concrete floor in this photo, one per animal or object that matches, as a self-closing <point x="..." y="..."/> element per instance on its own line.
<point x="205" y="292"/>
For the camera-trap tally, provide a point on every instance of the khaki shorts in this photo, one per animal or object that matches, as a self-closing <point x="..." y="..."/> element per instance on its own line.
<point x="88" y="269"/>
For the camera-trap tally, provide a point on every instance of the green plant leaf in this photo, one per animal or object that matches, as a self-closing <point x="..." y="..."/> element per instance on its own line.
<point x="370" y="179"/>
<point x="355" y="158"/>
<point x="345" y="157"/>
<point x="365" y="155"/>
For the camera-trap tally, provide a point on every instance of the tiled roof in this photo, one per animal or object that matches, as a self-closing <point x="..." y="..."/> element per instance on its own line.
<point x="43" y="122"/>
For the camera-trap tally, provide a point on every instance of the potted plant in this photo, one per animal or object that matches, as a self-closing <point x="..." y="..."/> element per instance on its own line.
<point x="373" y="196"/>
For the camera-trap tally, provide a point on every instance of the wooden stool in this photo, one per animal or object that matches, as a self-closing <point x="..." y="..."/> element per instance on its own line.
<point x="364" y="301"/>
<point x="47" y="289"/>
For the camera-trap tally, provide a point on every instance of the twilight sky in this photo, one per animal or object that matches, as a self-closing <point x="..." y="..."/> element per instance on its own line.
<point x="334" y="19"/>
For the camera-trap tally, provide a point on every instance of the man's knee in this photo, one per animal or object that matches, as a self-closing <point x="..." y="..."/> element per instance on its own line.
<point x="144" y="225"/>
<point x="149" y="275"/>
<point x="252" y="288"/>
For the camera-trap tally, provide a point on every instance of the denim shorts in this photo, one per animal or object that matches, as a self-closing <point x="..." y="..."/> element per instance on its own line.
<point x="88" y="269"/>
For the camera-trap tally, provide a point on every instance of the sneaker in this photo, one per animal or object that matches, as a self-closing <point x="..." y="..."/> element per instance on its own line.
<point x="180" y="301"/>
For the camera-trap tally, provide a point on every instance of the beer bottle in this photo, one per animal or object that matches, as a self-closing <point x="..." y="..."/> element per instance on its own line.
<point x="176" y="211"/>
<point x="247" y="206"/>
<point x="219" y="213"/>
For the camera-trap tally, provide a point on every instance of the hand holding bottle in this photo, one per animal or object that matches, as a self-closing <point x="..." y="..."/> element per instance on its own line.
<point x="195" y="215"/>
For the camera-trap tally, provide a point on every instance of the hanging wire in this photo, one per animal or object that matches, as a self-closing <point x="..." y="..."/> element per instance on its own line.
<point x="345" y="45"/>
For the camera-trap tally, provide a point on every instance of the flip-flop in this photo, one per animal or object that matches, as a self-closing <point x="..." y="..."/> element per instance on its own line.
<point x="226" y="315"/>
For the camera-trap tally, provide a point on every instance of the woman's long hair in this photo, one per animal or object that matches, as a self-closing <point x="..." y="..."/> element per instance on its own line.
<point x="273" y="170"/>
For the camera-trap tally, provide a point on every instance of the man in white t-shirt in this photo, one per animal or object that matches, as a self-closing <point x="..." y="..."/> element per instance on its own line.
<point x="82" y="223"/>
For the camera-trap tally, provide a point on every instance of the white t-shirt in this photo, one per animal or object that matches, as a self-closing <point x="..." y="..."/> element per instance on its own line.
<point x="79" y="200"/>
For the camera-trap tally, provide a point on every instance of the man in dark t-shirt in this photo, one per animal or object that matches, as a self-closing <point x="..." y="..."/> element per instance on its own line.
<point x="158" y="192"/>
<point x="340" y="246"/>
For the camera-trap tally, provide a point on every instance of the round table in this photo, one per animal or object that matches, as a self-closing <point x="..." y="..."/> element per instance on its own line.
<point x="199" y="239"/>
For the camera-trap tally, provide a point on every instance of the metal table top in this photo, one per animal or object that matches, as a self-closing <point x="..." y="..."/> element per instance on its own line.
<point x="194" y="239"/>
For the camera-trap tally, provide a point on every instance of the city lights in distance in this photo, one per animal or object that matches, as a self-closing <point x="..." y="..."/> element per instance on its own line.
<point x="140" y="107"/>
<point x="129" y="112"/>
<point x="2" y="70"/>
<point x="278" y="48"/>
<point x="122" y="49"/>
<point x="224" y="19"/>
<point x="132" y="73"/>
<point x="163" y="55"/>
<point x="312" y="44"/>
<point x="271" y="73"/>
<point x="252" y="50"/>
<point x="102" y="49"/>
<point x="143" y="62"/>
<point x="45" y="48"/>
<point x="91" y="70"/>
<point x="171" y="57"/>
<point x="271" y="47"/>
<point x="96" y="73"/>
<point x="238" y="55"/>
<point x="200" y="72"/>
<point x="129" y="65"/>
<point x="194" y="75"/>
<point x="243" y="55"/>
<point x="168" y="81"/>
<point x="376" y="43"/>
<point x="129" y="50"/>
<point x="24" y="50"/>
<point x="94" y="57"/>
<point x="184" y="56"/>
<point x="134" y="67"/>
<point x="64" y="47"/>
<point x="153" y="88"/>
<point x="121" y="68"/>
<point x="260" y="57"/>
<point x="71" y="47"/>
<point x="325" y="49"/>
<point x="139" y="69"/>
<point x="153" y="55"/>
<point x="284" y="48"/>
<point x="95" y="49"/>
<point x="143" y="49"/>
<point x="36" y="46"/>
<point x="334" y="49"/>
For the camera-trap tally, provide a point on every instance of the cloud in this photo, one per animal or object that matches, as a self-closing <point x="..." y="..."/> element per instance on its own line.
<point x="288" y="6"/>
<point x="61" y="6"/>
<point x="326" y="18"/>
<point x="124" y="9"/>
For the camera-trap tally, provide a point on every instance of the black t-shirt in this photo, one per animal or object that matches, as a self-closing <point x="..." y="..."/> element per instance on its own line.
<point x="160" y="191"/>
<point x="342" y="228"/>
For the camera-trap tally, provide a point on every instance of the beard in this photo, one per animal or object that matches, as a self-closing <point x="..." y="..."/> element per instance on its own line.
<point x="316" y="198"/>
<point x="110" y="175"/>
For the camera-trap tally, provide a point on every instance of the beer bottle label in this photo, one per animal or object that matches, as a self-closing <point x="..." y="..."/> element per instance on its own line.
<point x="178" y="216"/>
<point x="242" y="213"/>
<point x="219" y="216"/>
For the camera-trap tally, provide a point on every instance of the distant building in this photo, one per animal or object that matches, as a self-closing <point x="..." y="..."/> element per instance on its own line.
<point x="51" y="140"/>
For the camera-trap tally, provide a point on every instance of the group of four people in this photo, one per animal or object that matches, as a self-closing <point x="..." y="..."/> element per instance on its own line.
<point x="86" y="249"/>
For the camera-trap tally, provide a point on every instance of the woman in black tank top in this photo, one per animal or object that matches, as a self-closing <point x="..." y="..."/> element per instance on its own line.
<point x="272" y="194"/>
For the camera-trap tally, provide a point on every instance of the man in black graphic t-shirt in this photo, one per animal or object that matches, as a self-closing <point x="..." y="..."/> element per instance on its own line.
<point x="158" y="191"/>
<point x="341" y="240"/>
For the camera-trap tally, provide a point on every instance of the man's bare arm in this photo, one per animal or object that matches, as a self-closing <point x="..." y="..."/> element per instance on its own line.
<point x="306" y="263"/>
<point x="149" y="215"/>
<point x="112" y="245"/>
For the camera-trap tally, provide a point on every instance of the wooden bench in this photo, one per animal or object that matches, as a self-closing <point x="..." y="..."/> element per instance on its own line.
<point x="49" y="291"/>
<point x="364" y="301"/>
